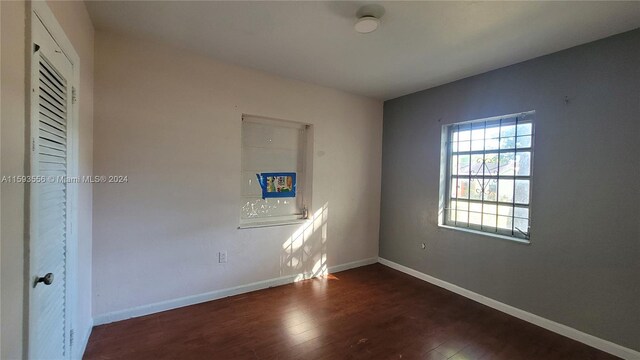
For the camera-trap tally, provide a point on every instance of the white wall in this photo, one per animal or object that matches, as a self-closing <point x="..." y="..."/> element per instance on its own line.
<point x="12" y="106"/>
<point x="75" y="21"/>
<point x="171" y="122"/>
<point x="0" y="191"/>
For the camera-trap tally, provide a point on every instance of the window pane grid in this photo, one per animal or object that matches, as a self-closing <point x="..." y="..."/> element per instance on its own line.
<point x="489" y="164"/>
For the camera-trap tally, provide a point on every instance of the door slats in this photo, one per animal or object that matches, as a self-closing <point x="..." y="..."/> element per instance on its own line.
<point x="51" y="206"/>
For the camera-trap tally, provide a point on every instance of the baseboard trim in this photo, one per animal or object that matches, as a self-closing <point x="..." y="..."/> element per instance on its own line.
<point x="596" y="342"/>
<point x="218" y="294"/>
<point x="84" y="341"/>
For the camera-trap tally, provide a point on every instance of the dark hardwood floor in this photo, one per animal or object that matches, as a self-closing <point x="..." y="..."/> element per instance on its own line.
<point x="372" y="312"/>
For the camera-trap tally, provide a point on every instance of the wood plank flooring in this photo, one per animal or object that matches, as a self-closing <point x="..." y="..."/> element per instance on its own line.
<point x="372" y="312"/>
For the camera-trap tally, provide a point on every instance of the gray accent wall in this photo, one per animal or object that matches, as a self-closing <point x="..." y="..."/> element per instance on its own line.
<point x="582" y="267"/>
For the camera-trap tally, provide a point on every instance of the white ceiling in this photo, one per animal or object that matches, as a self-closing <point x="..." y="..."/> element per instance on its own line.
<point x="419" y="44"/>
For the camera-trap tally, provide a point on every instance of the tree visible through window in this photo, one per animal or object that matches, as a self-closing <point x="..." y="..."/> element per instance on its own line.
<point x="489" y="175"/>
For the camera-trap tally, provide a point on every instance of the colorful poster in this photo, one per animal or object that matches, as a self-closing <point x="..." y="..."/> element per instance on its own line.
<point x="277" y="185"/>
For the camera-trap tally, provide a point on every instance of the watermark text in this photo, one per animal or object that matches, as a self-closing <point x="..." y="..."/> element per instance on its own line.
<point x="62" y="179"/>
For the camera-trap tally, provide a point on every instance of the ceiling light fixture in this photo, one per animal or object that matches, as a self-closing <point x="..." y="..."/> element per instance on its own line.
<point x="368" y="18"/>
<point x="367" y="24"/>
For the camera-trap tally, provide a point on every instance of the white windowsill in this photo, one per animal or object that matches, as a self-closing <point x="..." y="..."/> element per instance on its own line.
<point x="271" y="223"/>
<point x="493" y="235"/>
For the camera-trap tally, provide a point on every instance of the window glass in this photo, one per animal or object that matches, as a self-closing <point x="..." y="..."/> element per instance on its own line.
<point x="273" y="150"/>
<point x="489" y="166"/>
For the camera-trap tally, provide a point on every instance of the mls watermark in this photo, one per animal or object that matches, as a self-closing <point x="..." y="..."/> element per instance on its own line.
<point x="62" y="179"/>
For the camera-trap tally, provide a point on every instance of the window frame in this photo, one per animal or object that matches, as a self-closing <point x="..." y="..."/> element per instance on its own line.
<point x="446" y="177"/>
<point x="304" y="176"/>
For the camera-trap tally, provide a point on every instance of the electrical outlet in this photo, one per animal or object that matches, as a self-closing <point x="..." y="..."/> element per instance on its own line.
<point x="222" y="257"/>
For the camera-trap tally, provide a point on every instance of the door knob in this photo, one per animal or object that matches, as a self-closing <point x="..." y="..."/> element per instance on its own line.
<point x="47" y="280"/>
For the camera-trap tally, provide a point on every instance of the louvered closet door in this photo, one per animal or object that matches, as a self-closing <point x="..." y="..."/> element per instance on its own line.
<point x="51" y="109"/>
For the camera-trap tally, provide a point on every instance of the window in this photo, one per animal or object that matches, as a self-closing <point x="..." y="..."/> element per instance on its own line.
<point x="274" y="151"/>
<point x="487" y="168"/>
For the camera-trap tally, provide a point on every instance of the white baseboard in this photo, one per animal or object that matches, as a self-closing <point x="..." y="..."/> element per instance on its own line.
<point x="598" y="343"/>
<point x="217" y="294"/>
<point x="83" y="341"/>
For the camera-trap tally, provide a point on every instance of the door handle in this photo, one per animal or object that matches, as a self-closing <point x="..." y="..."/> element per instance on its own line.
<point x="47" y="280"/>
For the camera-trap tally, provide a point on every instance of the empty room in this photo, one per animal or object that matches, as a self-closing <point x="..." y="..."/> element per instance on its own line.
<point x="320" y="180"/>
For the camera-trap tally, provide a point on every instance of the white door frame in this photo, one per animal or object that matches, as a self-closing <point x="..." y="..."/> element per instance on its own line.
<point x="39" y="11"/>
